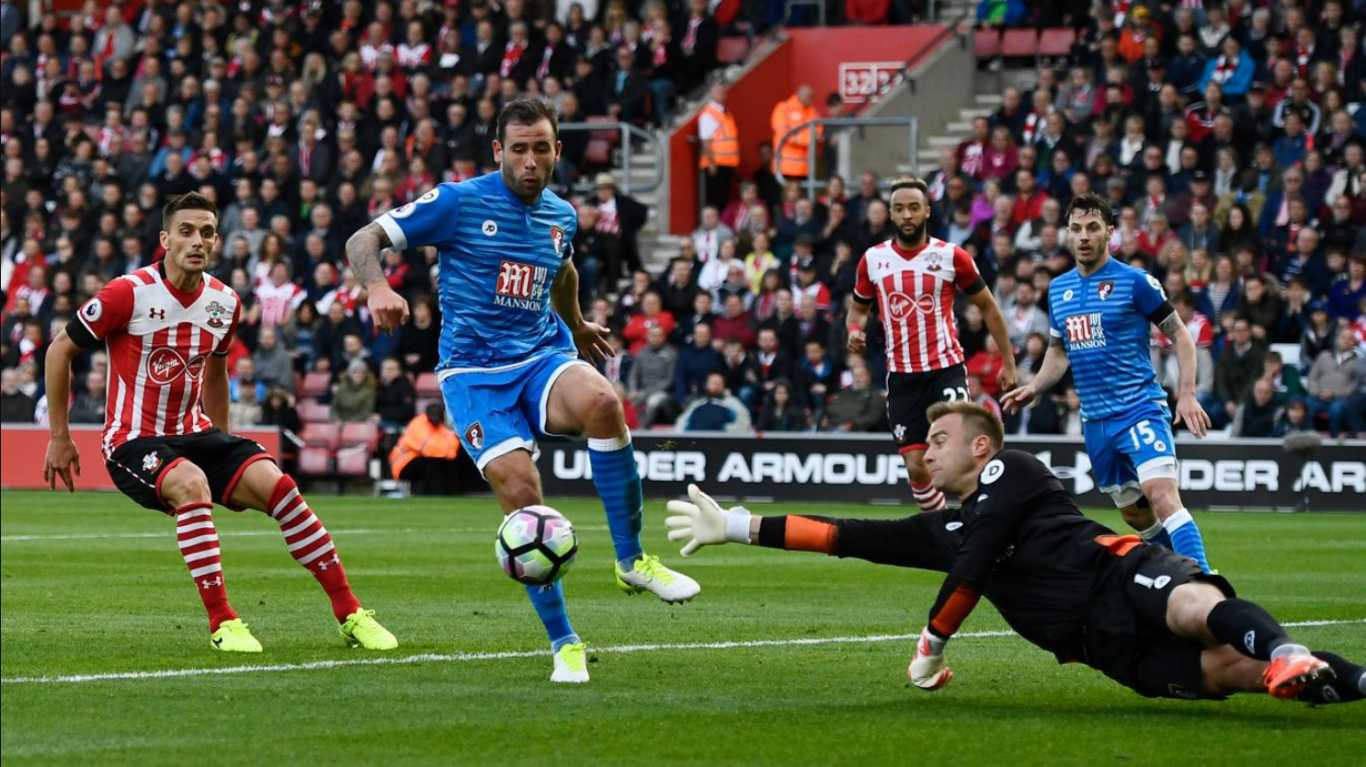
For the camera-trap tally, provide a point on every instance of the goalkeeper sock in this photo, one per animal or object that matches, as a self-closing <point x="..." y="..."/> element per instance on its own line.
<point x="613" y="462"/>
<point x="1186" y="538"/>
<point x="311" y="545"/>
<point x="549" y="604"/>
<point x="198" y="541"/>
<point x="1349" y="685"/>
<point x="1250" y="630"/>
<point x="1156" y="534"/>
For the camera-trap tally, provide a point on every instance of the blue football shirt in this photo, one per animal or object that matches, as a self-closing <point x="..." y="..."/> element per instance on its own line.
<point x="1103" y="321"/>
<point x="498" y="258"/>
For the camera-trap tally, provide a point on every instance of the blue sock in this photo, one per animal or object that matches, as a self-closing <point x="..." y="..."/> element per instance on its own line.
<point x="549" y="604"/>
<point x="1157" y="534"/>
<point x="1186" y="539"/>
<point x="613" y="462"/>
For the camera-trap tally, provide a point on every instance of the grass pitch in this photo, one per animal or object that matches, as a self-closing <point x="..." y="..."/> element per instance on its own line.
<point x="93" y="585"/>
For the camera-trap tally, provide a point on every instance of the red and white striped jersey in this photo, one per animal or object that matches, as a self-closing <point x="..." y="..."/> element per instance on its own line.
<point x="277" y="301"/>
<point x="159" y="338"/>
<point x="915" y="289"/>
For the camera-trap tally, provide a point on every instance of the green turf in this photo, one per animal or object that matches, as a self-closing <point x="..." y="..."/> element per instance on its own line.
<point x="97" y="604"/>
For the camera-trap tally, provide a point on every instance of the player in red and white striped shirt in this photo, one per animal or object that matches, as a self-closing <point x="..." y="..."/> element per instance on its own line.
<point x="914" y="279"/>
<point x="167" y="328"/>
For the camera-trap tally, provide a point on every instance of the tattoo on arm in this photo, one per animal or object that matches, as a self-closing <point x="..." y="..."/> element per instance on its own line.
<point x="1171" y="325"/>
<point x="362" y="251"/>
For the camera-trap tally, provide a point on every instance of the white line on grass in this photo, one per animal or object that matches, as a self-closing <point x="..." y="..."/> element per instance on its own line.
<point x="170" y="534"/>
<point x="465" y="657"/>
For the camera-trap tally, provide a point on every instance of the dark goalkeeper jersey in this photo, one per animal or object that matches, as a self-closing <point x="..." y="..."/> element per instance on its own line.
<point x="1025" y="545"/>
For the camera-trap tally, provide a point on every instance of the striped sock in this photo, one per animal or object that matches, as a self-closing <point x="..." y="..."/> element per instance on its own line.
<point x="310" y="545"/>
<point x="198" y="541"/>
<point x="1186" y="538"/>
<point x="549" y="604"/>
<point x="928" y="496"/>
<point x="613" y="462"/>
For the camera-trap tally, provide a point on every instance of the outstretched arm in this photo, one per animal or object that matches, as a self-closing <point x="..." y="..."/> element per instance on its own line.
<point x="1055" y="364"/>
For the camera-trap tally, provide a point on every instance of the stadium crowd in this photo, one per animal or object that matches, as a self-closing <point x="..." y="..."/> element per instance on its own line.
<point x="1228" y="137"/>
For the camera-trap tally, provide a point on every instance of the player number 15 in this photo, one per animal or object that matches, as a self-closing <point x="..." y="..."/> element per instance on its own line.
<point x="1142" y="434"/>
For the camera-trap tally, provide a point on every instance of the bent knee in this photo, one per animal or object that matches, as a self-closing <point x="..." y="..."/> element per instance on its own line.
<point x="602" y="414"/>
<point x="186" y="483"/>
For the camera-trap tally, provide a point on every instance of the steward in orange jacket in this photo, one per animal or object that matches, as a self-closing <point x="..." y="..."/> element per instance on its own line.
<point x="791" y="158"/>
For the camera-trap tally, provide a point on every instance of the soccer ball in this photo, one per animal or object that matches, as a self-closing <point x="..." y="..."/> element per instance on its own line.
<point x="536" y="545"/>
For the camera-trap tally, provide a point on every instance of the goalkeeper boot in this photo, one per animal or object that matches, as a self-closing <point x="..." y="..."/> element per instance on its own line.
<point x="571" y="664"/>
<point x="360" y="629"/>
<point x="1288" y="675"/>
<point x="649" y="574"/>
<point x="233" y="636"/>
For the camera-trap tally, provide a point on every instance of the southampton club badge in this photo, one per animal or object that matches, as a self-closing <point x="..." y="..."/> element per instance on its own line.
<point x="151" y="462"/>
<point x="216" y="312"/>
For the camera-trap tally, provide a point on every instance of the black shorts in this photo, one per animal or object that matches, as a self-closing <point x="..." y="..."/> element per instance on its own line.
<point x="909" y="395"/>
<point x="1127" y="637"/>
<point x="139" y="466"/>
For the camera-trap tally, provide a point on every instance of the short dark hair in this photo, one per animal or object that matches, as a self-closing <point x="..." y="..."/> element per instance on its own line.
<point x="187" y="201"/>
<point x="1088" y="203"/>
<point x="976" y="418"/>
<point x="909" y="182"/>
<point x="527" y="111"/>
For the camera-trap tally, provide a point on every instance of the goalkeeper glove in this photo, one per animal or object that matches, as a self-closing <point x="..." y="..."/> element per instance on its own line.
<point x="703" y="522"/>
<point x="928" y="670"/>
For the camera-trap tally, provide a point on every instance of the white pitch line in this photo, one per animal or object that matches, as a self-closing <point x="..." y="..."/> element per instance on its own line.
<point x="170" y="534"/>
<point x="465" y="657"/>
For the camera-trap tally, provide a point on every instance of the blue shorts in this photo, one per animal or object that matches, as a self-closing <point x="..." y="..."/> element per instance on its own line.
<point x="1129" y="449"/>
<point x="497" y="410"/>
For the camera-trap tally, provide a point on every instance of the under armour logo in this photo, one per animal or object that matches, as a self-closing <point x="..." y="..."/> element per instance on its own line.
<point x="1250" y="639"/>
<point x="331" y="561"/>
<point x="209" y="583"/>
<point x="157" y="314"/>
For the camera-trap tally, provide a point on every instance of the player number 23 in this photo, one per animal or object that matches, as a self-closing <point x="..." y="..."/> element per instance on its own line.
<point x="1142" y="434"/>
<point x="952" y="393"/>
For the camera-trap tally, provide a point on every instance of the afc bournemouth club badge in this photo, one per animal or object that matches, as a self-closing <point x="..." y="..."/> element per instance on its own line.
<point x="1105" y="289"/>
<point x="475" y="436"/>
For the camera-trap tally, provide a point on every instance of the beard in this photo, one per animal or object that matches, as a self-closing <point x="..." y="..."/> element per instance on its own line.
<point x="915" y="237"/>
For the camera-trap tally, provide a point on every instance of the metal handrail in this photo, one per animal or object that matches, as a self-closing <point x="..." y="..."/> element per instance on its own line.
<point x="627" y="131"/>
<point x="912" y="142"/>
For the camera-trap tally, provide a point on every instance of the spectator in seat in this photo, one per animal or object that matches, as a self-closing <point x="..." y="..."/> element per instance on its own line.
<point x="1346" y="293"/>
<point x="1334" y="378"/>
<point x="396" y="399"/>
<point x="736" y="322"/>
<point x="742" y="376"/>
<point x="696" y="361"/>
<point x="1024" y="316"/>
<point x="620" y="219"/>
<point x="716" y="410"/>
<point x="1238" y="367"/>
<point x="651" y="315"/>
<point x="679" y="290"/>
<point x="353" y="397"/>
<point x="1199" y="233"/>
<point x="986" y="364"/>
<point x="709" y="235"/>
<point x="1258" y="413"/>
<point x="858" y="408"/>
<point x="15" y="405"/>
<point x="651" y="379"/>
<point x="1231" y="69"/>
<point x="1294" y="418"/>
<point x="245" y="411"/>
<point x="274" y="365"/>
<point x="1286" y="384"/>
<point x="781" y="413"/>
<point x="426" y="452"/>
<point x="817" y="374"/>
<point x="628" y="91"/>
<point x="1261" y="307"/>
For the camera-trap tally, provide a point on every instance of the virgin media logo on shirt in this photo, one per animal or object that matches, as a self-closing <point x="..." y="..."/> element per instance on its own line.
<point x="900" y="305"/>
<point x="165" y="366"/>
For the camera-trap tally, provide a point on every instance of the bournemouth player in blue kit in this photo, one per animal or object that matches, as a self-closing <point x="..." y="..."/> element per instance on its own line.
<point x="511" y="334"/>
<point x="1100" y="312"/>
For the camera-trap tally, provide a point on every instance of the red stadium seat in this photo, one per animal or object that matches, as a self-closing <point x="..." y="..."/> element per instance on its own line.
<point x="315" y="461"/>
<point x="986" y="43"/>
<point x="611" y="135"/>
<point x="365" y="434"/>
<point x="428" y="386"/>
<point x="325" y="435"/>
<point x="315" y="385"/>
<point x="732" y="50"/>
<point x="353" y="461"/>
<point x="1057" y="41"/>
<point x="313" y="411"/>
<point x="1019" y="42"/>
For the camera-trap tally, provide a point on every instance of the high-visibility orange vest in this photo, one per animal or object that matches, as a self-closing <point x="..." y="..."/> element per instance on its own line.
<point x="788" y="114"/>
<point x="723" y="149"/>
<point x="423" y="440"/>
